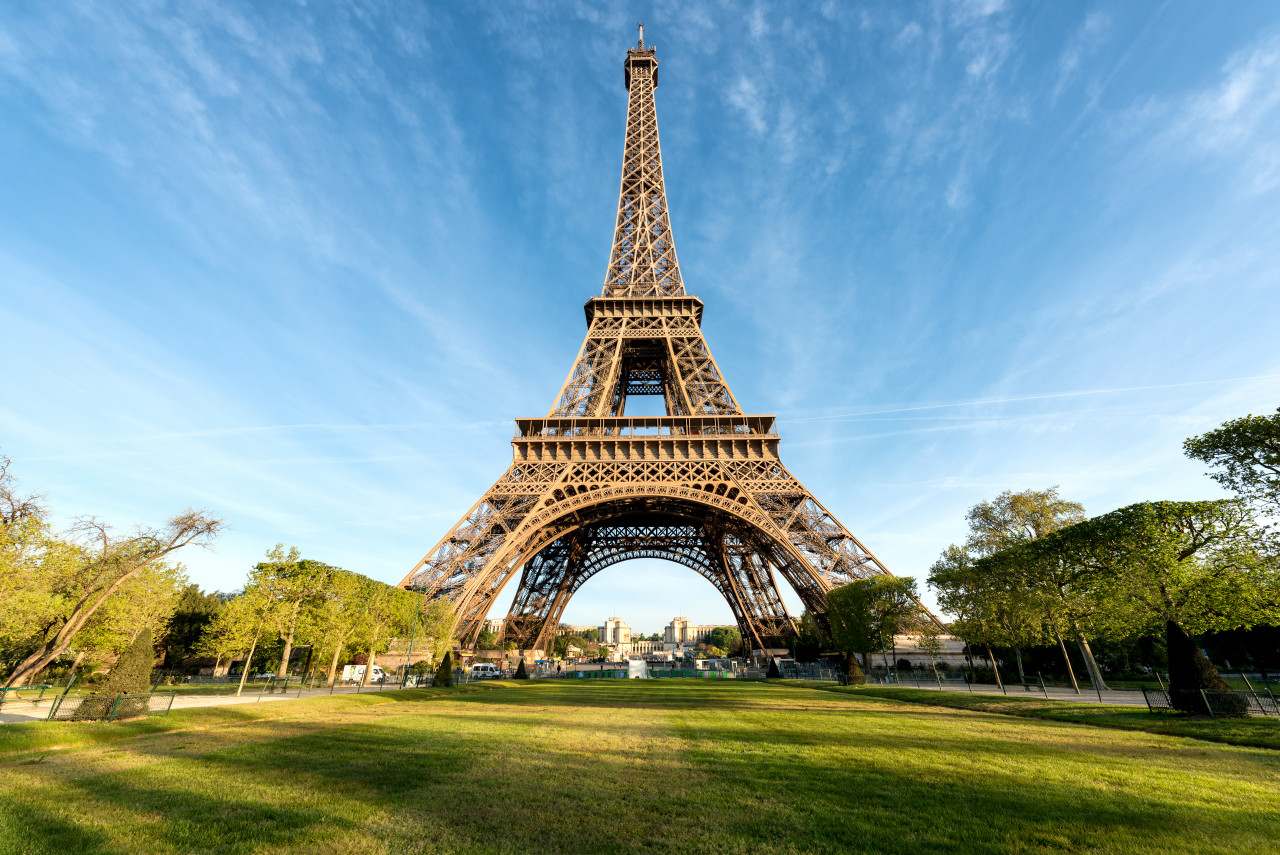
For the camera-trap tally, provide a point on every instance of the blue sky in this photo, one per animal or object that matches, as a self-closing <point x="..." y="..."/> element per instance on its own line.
<point x="303" y="265"/>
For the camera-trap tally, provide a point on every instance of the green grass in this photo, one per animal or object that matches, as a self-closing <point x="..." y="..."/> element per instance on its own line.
<point x="1253" y="731"/>
<point x="619" y="766"/>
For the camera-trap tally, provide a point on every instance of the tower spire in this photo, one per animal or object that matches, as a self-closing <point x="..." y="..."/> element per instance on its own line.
<point x="643" y="261"/>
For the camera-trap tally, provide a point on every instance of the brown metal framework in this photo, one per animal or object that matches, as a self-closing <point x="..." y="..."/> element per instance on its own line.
<point x="589" y="487"/>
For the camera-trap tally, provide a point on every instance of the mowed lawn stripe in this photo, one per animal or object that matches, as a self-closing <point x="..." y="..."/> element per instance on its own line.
<point x="613" y="766"/>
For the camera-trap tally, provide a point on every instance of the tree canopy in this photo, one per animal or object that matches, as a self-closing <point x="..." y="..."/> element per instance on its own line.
<point x="1246" y="454"/>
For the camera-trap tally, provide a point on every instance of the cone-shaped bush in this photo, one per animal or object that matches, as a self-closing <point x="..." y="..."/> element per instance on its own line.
<point x="444" y="674"/>
<point x="1191" y="672"/>
<point x="852" y="671"/>
<point x="774" y="673"/>
<point x="131" y="675"/>
<point x="521" y="673"/>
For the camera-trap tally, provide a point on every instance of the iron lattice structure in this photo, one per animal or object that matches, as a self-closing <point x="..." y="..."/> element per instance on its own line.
<point x="589" y="487"/>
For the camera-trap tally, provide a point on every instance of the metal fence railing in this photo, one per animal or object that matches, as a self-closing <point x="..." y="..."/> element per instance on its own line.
<point x="1213" y="704"/>
<point x="109" y="707"/>
<point x="808" y="671"/>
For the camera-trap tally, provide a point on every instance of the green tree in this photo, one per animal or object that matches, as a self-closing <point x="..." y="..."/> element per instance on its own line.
<point x="866" y="614"/>
<point x="388" y="611"/>
<point x="521" y="672"/>
<point x="52" y="585"/>
<point x="996" y="601"/>
<point x="1184" y="567"/>
<point x="1246" y="454"/>
<point x="486" y="640"/>
<point x="727" y="638"/>
<point x="1013" y="518"/>
<point x="338" y="617"/>
<point x="444" y="674"/>
<point x="194" y="611"/>
<point x="294" y="586"/>
<point x="238" y="629"/>
<point x="147" y="601"/>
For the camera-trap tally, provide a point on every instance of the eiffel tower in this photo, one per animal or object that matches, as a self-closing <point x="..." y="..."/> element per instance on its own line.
<point x="589" y="486"/>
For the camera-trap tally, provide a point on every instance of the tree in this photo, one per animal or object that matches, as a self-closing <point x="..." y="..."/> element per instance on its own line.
<point x="388" y="612"/>
<point x="486" y="640"/>
<point x="444" y="674"/>
<point x="592" y="635"/>
<point x="1013" y="518"/>
<point x="194" y="611"/>
<point x="1184" y="567"/>
<point x="521" y="673"/>
<point x="60" y="583"/>
<point x="726" y="638"/>
<point x="1246" y="453"/>
<point x="238" y="628"/>
<point x="996" y="602"/>
<point x="773" y="673"/>
<point x="147" y="601"/>
<point x="338" y="617"/>
<point x="807" y="644"/>
<point x="131" y="675"/>
<point x="866" y="614"/>
<point x="294" y="586"/>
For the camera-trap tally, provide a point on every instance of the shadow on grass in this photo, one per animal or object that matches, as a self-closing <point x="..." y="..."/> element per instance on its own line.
<point x="493" y="772"/>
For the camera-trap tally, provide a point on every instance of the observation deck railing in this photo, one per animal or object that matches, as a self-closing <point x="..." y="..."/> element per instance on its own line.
<point x="717" y="427"/>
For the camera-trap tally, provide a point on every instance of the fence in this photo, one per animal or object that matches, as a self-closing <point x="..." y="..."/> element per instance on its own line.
<point x="1214" y="704"/>
<point x="808" y="671"/>
<point x="109" y="707"/>
<point x="13" y="694"/>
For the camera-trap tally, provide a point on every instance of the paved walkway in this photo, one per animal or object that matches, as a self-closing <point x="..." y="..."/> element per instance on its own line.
<point x="19" y="710"/>
<point x="1120" y="697"/>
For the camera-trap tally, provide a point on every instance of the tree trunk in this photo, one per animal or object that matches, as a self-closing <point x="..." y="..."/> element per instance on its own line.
<point x="1022" y="675"/>
<point x="288" y="643"/>
<point x="994" y="668"/>
<point x="1191" y="674"/>
<point x="368" y="669"/>
<point x="1071" y="672"/>
<point x="333" y="666"/>
<point x="1094" y="673"/>
<point x="248" y="663"/>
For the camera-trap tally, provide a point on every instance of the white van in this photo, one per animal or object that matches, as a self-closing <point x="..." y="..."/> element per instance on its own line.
<point x="485" y="671"/>
<point x="356" y="673"/>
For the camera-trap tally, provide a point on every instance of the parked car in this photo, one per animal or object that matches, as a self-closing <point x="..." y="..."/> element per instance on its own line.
<point x="485" y="671"/>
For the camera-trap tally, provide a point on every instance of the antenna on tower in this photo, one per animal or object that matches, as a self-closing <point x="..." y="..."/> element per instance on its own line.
<point x="641" y="27"/>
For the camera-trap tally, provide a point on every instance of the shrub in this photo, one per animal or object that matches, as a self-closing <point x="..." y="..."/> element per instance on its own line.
<point x="444" y="674"/>
<point x="131" y="675"/>
<point x="774" y="673"/>
<point x="853" y="671"/>
<point x="905" y="665"/>
<point x="1191" y="672"/>
<point x="521" y="673"/>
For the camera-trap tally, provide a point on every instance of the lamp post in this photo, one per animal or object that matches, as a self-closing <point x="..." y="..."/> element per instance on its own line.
<point x="408" y="659"/>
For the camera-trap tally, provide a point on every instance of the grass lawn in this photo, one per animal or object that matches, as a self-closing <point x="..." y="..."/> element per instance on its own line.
<point x="616" y="766"/>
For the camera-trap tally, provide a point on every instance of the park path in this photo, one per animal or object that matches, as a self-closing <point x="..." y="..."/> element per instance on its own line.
<point x="19" y="711"/>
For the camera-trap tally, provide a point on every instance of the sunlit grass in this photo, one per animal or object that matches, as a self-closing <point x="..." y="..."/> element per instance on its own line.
<point x="673" y="766"/>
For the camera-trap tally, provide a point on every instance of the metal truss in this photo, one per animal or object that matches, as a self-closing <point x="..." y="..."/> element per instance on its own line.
<point x="589" y="487"/>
